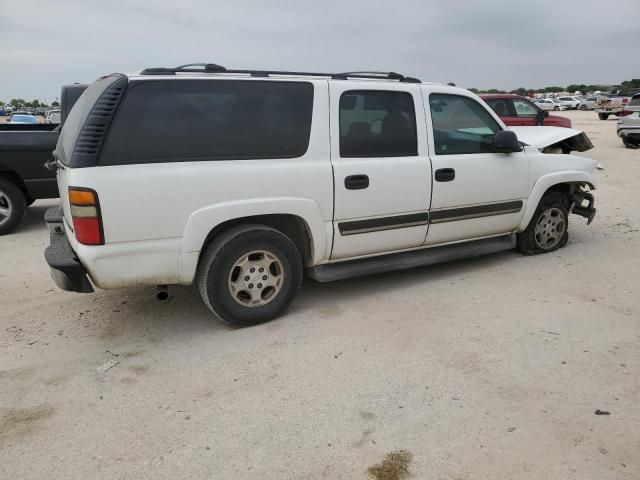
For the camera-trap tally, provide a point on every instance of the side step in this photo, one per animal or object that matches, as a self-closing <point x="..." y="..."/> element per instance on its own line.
<point x="414" y="258"/>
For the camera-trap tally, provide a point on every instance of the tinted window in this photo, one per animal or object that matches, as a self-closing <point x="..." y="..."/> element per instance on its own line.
<point x="524" y="108"/>
<point x="461" y="125"/>
<point x="376" y="123"/>
<point x="167" y="120"/>
<point x="634" y="102"/>
<point x="500" y="106"/>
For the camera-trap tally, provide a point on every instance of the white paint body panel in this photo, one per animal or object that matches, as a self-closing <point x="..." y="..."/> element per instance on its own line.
<point x="156" y="216"/>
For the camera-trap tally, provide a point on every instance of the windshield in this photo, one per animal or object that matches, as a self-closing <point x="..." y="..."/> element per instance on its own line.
<point x="23" y="119"/>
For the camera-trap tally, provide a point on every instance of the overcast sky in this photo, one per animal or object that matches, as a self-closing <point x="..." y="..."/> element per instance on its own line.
<point x="474" y="43"/>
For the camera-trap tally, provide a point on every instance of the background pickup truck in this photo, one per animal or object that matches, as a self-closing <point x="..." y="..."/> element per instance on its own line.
<point x="24" y="150"/>
<point x="606" y="106"/>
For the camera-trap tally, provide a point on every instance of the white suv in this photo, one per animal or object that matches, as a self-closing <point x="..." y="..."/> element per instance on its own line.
<point x="238" y="180"/>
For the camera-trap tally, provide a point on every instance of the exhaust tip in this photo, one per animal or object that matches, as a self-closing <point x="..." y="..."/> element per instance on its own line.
<point x="163" y="293"/>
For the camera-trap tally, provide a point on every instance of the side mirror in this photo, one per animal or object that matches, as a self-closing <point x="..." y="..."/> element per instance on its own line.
<point x="506" y="141"/>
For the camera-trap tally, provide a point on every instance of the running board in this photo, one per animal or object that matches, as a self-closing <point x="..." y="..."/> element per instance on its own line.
<point x="415" y="258"/>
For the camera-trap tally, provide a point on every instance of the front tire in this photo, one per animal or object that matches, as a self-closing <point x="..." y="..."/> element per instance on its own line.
<point x="12" y="206"/>
<point x="249" y="275"/>
<point x="583" y="108"/>
<point x="603" y="116"/>
<point x="548" y="229"/>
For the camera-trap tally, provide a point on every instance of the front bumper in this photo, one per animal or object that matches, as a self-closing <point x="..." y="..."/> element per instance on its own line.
<point x="66" y="270"/>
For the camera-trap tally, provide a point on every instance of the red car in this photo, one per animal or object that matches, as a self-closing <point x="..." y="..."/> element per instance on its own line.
<point x="515" y="110"/>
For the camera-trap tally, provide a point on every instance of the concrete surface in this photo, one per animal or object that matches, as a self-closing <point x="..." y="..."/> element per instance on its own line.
<point x="490" y="368"/>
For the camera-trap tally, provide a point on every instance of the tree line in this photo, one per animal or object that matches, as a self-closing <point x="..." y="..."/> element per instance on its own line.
<point x="22" y="103"/>
<point x="627" y="87"/>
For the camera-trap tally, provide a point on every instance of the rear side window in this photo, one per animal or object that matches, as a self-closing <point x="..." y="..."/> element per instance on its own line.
<point x="189" y="120"/>
<point x="375" y="123"/>
<point x="461" y="125"/>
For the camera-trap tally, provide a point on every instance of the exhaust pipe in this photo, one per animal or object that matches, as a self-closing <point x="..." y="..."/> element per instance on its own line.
<point x="162" y="292"/>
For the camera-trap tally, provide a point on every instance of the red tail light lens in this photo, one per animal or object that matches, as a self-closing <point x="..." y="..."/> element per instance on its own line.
<point x="624" y="113"/>
<point x="85" y="212"/>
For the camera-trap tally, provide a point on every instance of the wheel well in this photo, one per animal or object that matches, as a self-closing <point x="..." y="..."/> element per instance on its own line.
<point x="567" y="189"/>
<point x="15" y="178"/>
<point x="292" y="226"/>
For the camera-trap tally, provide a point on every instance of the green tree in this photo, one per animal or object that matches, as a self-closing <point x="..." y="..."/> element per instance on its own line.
<point x="55" y="104"/>
<point x="16" y="102"/>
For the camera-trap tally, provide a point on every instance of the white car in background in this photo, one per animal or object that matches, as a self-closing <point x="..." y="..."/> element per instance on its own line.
<point x="570" y="102"/>
<point x="549" y="104"/>
<point x="587" y="103"/>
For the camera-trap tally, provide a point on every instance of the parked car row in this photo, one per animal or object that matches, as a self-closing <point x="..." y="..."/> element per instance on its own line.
<point x="629" y="125"/>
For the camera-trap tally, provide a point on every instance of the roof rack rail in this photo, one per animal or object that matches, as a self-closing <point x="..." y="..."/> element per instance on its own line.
<point x="214" y="68"/>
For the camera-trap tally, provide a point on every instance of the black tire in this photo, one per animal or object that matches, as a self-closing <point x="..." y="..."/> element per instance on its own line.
<point x="13" y="203"/>
<point x="529" y="242"/>
<point x="583" y="107"/>
<point x="628" y="144"/>
<point x="603" y="116"/>
<point x="218" y="266"/>
<point x="555" y="109"/>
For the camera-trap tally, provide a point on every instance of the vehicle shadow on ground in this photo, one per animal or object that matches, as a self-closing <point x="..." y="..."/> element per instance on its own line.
<point x="315" y="293"/>
<point x="135" y="314"/>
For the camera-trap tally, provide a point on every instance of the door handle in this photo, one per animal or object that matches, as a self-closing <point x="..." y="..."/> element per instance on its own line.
<point x="445" y="174"/>
<point x="356" y="182"/>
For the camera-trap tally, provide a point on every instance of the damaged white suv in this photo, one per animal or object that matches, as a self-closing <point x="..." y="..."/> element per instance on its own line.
<point x="239" y="180"/>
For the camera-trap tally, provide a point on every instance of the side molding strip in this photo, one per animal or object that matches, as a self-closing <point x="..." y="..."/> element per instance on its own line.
<point x="437" y="216"/>
<point x="477" y="211"/>
<point x="383" y="223"/>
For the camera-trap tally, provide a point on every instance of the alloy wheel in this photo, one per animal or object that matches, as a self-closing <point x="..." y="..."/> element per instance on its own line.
<point x="551" y="228"/>
<point x="256" y="278"/>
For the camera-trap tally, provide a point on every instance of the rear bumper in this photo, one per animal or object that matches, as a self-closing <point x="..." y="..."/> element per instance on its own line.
<point x="66" y="270"/>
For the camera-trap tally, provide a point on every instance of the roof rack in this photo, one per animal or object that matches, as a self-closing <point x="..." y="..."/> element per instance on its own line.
<point x="214" y="68"/>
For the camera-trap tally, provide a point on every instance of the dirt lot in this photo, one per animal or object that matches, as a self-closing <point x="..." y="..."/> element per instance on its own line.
<point x="490" y="368"/>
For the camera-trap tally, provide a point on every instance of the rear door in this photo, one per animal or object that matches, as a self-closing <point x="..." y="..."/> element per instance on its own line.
<point x="381" y="167"/>
<point x="477" y="192"/>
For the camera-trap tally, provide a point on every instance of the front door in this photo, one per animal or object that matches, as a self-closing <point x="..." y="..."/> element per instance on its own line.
<point x="476" y="191"/>
<point x="382" y="174"/>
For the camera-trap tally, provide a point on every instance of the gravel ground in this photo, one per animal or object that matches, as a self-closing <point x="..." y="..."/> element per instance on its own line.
<point x="486" y="368"/>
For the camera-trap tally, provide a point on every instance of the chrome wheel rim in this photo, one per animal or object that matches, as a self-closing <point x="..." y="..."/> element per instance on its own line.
<point x="5" y="208"/>
<point x="256" y="278"/>
<point x="550" y="228"/>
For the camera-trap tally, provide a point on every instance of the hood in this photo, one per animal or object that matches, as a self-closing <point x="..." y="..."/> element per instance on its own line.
<point x="554" y="139"/>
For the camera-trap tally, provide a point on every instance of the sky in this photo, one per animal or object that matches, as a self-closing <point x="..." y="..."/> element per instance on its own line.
<point x="484" y="44"/>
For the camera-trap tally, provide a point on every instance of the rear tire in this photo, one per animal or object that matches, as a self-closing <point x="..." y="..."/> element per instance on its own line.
<point x="628" y="144"/>
<point x="250" y="275"/>
<point x="12" y="206"/>
<point x="548" y="229"/>
<point x="603" y="116"/>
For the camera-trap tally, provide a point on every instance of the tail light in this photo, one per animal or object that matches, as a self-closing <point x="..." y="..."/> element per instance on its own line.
<point x="624" y="113"/>
<point x="85" y="212"/>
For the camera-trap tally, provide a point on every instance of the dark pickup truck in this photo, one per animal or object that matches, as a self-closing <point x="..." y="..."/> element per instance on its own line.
<point x="24" y="150"/>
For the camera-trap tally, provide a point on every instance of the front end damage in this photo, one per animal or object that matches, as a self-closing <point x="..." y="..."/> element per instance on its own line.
<point x="582" y="203"/>
<point x="554" y="139"/>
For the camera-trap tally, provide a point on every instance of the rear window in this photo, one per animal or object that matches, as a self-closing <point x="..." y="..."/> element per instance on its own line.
<point x="189" y="120"/>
